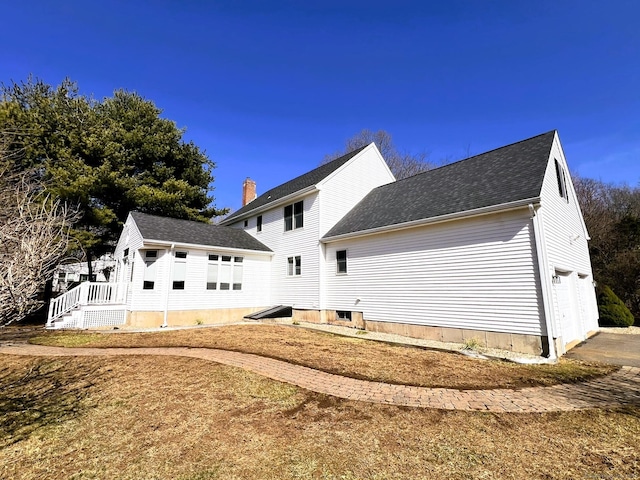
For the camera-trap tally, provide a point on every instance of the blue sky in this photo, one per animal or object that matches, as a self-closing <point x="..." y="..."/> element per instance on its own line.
<point x="269" y="88"/>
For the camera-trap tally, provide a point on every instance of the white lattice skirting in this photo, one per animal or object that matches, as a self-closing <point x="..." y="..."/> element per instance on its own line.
<point x="101" y="317"/>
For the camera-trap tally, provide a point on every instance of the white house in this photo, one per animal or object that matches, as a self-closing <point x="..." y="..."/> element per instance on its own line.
<point x="492" y="247"/>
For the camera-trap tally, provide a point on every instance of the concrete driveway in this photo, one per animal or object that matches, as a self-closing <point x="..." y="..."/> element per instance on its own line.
<point x="611" y="348"/>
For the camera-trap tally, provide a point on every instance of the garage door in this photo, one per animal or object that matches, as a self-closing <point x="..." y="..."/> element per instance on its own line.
<point x="568" y="308"/>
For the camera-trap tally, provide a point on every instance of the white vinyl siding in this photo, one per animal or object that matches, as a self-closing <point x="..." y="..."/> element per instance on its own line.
<point x="343" y="190"/>
<point x="472" y="274"/>
<point x="299" y="291"/>
<point x="567" y="247"/>
<point x="249" y="274"/>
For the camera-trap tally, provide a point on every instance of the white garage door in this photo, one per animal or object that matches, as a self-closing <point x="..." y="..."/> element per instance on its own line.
<point x="568" y="308"/>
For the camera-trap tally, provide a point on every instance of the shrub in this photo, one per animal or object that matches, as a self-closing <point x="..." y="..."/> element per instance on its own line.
<point x="613" y="312"/>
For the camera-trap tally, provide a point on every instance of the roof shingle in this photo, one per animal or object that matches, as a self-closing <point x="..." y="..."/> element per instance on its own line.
<point x="507" y="174"/>
<point x="292" y="186"/>
<point x="188" y="232"/>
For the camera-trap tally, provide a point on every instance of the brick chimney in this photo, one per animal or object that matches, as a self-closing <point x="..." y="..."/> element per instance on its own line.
<point x="248" y="191"/>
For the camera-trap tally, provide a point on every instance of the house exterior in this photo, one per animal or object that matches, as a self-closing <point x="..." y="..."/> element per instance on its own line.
<point x="67" y="275"/>
<point x="492" y="247"/>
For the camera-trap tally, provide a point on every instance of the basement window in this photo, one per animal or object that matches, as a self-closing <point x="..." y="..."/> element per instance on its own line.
<point x="343" y="315"/>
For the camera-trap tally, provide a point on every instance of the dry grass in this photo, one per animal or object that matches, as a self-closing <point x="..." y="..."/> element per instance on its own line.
<point x="188" y="419"/>
<point x="353" y="357"/>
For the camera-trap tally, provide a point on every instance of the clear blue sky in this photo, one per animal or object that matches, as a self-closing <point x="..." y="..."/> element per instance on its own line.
<point x="269" y="88"/>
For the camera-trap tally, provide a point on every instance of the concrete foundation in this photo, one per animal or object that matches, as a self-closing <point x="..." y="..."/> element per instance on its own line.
<point x="183" y="318"/>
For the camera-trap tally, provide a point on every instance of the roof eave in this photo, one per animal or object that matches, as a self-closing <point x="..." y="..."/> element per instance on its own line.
<point x="165" y="243"/>
<point x="502" y="207"/>
<point x="270" y="205"/>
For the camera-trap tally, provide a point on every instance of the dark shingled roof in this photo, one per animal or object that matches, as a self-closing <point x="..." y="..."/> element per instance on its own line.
<point x="504" y="175"/>
<point x="186" y="231"/>
<point x="292" y="186"/>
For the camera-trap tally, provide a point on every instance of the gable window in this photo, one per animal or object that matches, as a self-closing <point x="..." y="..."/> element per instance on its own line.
<point x="562" y="181"/>
<point x="179" y="270"/>
<point x="259" y="223"/>
<point x="246" y="223"/>
<point x="294" y="266"/>
<point x="341" y="261"/>
<point x="293" y="217"/>
<point x="149" y="280"/>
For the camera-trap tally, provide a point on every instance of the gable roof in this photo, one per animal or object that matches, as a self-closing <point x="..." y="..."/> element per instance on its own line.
<point x="173" y="230"/>
<point x="306" y="180"/>
<point x="504" y="175"/>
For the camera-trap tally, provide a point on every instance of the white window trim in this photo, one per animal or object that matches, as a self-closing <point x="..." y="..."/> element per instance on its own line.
<point x="294" y="266"/>
<point x="346" y="262"/>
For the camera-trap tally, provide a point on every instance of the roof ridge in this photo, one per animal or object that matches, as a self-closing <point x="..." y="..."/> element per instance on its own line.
<point x="340" y="158"/>
<point x="294" y="185"/>
<point x="472" y="157"/>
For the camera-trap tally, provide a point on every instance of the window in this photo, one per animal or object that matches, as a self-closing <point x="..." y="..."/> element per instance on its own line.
<point x="259" y="223"/>
<point x="125" y="254"/>
<point x="294" y="266"/>
<point x="212" y="272"/>
<point x="179" y="270"/>
<point x="562" y="181"/>
<point x="343" y="315"/>
<point x="293" y="216"/>
<point x="246" y="223"/>
<point x="224" y="272"/>
<point x="341" y="261"/>
<point x="237" y="274"/>
<point x="149" y="279"/>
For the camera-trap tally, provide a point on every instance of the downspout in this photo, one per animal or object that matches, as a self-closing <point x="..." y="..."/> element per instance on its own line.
<point x="167" y="288"/>
<point x="545" y="280"/>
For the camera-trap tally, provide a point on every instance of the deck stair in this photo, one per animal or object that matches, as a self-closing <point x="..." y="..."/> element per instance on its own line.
<point x="89" y="305"/>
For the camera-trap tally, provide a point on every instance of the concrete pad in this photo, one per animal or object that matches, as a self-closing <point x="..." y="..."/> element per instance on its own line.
<point x="610" y="348"/>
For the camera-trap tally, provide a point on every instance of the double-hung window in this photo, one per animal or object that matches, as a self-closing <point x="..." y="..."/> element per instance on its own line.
<point x="259" y="223"/>
<point x="150" y="257"/>
<point x="224" y="272"/>
<point x="179" y="270"/>
<point x="341" y="261"/>
<point x="294" y="266"/>
<point x="212" y="271"/>
<point x="293" y="216"/>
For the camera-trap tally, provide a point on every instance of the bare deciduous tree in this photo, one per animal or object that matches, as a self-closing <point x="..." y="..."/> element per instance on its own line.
<point x="33" y="237"/>
<point x="612" y="216"/>
<point x="402" y="165"/>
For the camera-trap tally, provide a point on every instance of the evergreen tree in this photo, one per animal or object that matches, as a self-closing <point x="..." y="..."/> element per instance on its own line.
<point x="106" y="157"/>
<point x="613" y="311"/>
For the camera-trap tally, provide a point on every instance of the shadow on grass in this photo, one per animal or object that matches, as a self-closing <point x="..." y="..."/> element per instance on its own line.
<point x="43" y="393"/>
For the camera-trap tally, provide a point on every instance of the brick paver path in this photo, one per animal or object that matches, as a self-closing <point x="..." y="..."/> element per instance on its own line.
<point x="620" y="388"/>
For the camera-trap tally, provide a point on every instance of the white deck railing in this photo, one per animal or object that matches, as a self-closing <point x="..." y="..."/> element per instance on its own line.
<point x="87" y="293"/>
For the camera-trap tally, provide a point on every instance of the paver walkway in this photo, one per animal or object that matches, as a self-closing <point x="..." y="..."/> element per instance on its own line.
<point x="620" y="388"/>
